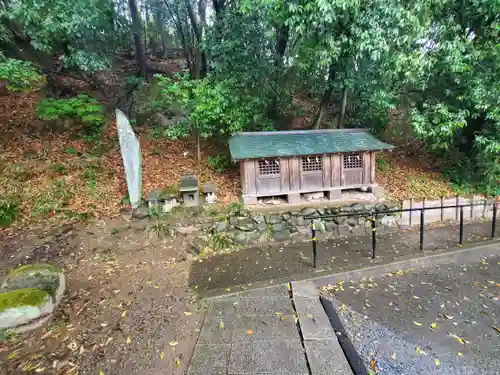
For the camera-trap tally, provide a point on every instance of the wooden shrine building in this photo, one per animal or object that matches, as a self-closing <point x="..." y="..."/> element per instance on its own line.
<point x="295" y="162"/>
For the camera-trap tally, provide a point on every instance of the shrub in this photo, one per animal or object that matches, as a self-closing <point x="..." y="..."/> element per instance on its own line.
<point x="9" y="210"/>
<point x="218" y="162"/>
<point x="20" y="75"/>
<point x="81" y="108"/>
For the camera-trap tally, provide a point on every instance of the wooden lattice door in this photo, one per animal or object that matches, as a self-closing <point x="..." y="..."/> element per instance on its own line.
<point x="353" y="169"/>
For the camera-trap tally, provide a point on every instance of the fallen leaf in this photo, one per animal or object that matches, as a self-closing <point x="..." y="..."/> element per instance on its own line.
<point x="496" y="329"/>
<point x="162" y="355"/>
<point x="459" y="339"/>
<point x="101" y="373"/>
<point x="308" y="315"/>
<point x="124" y="313"/>
<point x="434" y="325"/>
<point x="177" y="362"/>
<point x="459" y="354"/>
<point x="419" y="351"/>
<point x="129" y="340"/>
<point x="277" y="313"/>
<point x="250" y="332"/>
<point x="436" y="362"/>
<point x="373" y="364"/>
<point x="416" y="297"/>
<point x="188" y="313"/>
<point x="289" y="287"/>
<point x="393" y="356"/>
<point x="173" y="343"/>
<point x="418" y="323"/>
<point x="221" y="325"/>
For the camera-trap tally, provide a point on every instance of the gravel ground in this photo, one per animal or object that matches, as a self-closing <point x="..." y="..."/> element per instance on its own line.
<point x="438" y="320"/>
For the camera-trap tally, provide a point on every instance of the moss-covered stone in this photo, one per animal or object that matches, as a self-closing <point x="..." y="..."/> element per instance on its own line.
<point x="23" y="297"/>
<point x="39" y="276"/>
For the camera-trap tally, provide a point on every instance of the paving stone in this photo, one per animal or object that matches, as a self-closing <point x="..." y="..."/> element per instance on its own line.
<point x="314" y="323"/>
<point x="221" y="336"/>
<point x="209" y="360"/>
<point x="222" y="307"/>
<point x="273" y="373"/>
<point x="275" y="291"/>
<point x="265" y="306"/>
<point x="326" y="357"/>
<point x="267" y="356"/>
<point x="265" y="327"/>
<point x="304" y="289"/>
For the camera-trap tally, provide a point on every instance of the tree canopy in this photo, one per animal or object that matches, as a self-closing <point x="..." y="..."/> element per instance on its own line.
<point x="244" y="61"/>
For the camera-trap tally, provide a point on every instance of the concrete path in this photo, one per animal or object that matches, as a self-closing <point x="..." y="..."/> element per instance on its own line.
<point x="439" y="319"/>
<point x="267" y="332"/>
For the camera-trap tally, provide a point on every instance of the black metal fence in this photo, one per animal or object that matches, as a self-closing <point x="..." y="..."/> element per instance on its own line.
<point x="372" y="216"/>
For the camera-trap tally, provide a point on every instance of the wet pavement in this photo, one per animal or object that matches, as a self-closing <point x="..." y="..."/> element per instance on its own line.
<point x="443" y="319"/>
<point x="273" y="265"/>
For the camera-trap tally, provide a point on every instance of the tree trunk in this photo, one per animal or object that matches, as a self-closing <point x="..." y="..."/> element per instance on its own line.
<point x="198" y="146"/>
<point x="340" y="123"/>
<point x="282" y="35"/>
<point x="326" y="98"/>
<point x="136" y="27"/>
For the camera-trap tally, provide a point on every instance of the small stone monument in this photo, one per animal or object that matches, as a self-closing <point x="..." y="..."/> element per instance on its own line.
<point x="153" y="199"/>
<point x="190" y="191"/>
<point x="170" y="197"/>
<point x="209" y="191"/>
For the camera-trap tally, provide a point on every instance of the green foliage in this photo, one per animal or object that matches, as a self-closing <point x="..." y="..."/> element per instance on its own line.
<point x="218" y="162"/>
<point x="9" y="210"/>
<point x="158" y="229"/>
<point x="59" y="168"/>
<point x="81" y="108"/>
<point x="219" y="241"/>
<point x="382" y="163"/>
<point x="80" y="32"/>
<point x="20" y="75"/>
<point x="235" y="208"/>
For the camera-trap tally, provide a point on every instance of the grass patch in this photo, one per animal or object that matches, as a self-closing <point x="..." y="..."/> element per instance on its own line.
<point x="9" y="210"/>
<point x="158" y="230"/>
<point x="59" y="168"/>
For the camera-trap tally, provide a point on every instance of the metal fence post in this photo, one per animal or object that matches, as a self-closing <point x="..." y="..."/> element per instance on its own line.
<point x="461" y="237"/>
<point x="313" y="232"/>
<point x="494" y="220"/>
<point x="422" y="230"/>
<point x="374" y="235"/>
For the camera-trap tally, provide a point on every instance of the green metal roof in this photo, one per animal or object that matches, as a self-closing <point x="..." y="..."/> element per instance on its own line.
<point x="252" y="145"/>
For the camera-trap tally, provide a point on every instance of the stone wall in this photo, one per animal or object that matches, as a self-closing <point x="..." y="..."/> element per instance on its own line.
<point x="250" y="228"/>
<point x="482" y="209"/>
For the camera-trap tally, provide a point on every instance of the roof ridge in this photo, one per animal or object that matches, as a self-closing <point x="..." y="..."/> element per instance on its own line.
<point x="311" y="131"/>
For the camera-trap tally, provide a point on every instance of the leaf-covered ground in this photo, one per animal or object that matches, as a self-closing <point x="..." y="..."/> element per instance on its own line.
<point x="128" y="308"/>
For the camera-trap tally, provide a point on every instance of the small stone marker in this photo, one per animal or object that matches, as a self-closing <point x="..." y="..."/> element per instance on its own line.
<point x="209" y="191"/>
<point x="190" y="191"/>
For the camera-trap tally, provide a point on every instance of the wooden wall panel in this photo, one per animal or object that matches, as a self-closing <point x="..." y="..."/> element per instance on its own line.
<point x="373" y="165"/>
<point x="327" y="171"/>
<point x="244" y="187"/>
<point x="336" y="169"/>
<point x="367" y="168"/>
<point x="250" y="176"/>
<point x="285" y="174"/>
<point x="294" y="172"/>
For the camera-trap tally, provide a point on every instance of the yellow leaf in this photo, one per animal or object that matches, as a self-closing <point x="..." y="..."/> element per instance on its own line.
<point x="309" y="315"/>
<point x="436" y="362"/>
<point x="393" y="356"/>
<point x="188" y="313"/>
<point x="173" y="343"/>
<point x="129" y="340"/>
<point x="419" y="351"/>
<point x="162" y="355"/>
<point x="221" y="325"/>
<point x="496" y="329"/>
<point x="228" y="289"/>
<point x="434" y="325"/>
<point x="177" y="362"/>
<point x="250" y="332"/>
<point x="101" y="373"/>
<point x="459" y="354"/>
<point x="124" y="313"/>
<point x="459" y="339"/>
<point x="417" y="324"/>
<point x="277" y="313"/>
<point x="289" y="286"/>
